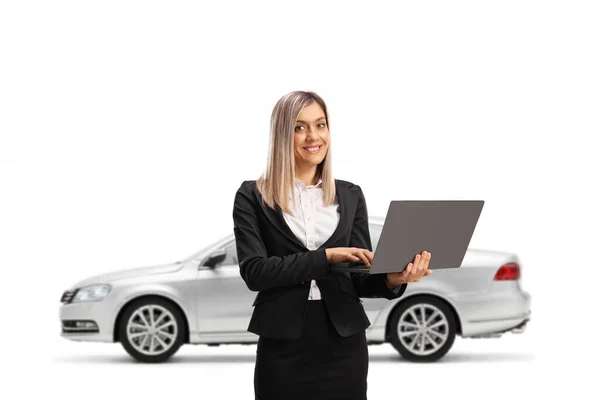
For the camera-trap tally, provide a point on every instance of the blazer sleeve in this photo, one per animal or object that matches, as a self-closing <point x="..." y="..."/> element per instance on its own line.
<point x="260" y="271"/>
<point x="368" y="285"/>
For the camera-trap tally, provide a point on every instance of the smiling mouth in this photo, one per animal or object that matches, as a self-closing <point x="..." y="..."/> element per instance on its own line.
<point x="312" y="149"/>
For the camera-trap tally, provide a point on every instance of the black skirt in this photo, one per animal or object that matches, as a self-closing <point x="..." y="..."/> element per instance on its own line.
<point x="320" y="365"/>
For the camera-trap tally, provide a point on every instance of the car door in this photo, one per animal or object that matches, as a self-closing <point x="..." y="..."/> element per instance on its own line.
<point x="223" y="301"/>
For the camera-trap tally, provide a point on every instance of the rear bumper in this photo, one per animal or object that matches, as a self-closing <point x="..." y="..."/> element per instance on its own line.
<point x="492" y="329"/>
<point x="519" y="328"/>
<point x="495" y="313"/>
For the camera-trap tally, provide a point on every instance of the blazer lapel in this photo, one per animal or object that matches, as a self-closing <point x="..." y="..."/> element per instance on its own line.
<point x="276" y="218"/>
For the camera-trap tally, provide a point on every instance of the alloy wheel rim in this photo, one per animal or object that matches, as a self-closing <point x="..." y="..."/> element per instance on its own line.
<point x="423" y="329"/>
<point x="151" y="329"/>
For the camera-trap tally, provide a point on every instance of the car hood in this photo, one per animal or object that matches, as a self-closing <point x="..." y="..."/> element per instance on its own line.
<point x="130" y="273"/>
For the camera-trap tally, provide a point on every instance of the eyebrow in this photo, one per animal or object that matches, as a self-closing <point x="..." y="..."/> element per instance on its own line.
<point x="318" y="119"/>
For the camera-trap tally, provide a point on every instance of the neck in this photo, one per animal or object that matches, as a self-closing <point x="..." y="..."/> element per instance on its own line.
<point x="308" y="175"/>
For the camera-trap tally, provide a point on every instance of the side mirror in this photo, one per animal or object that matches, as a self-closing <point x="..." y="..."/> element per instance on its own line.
<point x="215" y="258"/>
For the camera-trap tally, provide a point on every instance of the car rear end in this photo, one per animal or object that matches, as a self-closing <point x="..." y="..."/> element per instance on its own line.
<point x="501" y="305"/>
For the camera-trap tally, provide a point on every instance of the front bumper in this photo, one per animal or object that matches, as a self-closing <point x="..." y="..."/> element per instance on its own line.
<point x="98" y="312"/>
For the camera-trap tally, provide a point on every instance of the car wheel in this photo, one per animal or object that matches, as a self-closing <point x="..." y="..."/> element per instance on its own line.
<point x="422" y="329"/>
<point x="151" y="329"/>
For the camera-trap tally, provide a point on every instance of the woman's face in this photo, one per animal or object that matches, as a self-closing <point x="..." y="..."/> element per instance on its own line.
<point x="311" y="136"/>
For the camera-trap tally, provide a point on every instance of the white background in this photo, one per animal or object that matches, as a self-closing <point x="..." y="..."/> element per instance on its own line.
<point x="126" y="128"/>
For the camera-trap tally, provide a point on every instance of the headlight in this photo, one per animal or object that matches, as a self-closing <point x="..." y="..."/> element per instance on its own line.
<point x="91" y="293"/>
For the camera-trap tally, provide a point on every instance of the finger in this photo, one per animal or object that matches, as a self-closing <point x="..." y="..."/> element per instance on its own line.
<point x="422" y="264"/>
<point x="406" y="271"/>
<point x="417" y="268"/>
<point x="363" y="258"/>
<point x="370" y="255"/>
<point x="416" y="260"/>
<point x="427" y="260"/>
<point x="366" y="253"/>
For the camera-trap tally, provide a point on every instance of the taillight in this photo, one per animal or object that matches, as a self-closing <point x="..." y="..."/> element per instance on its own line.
<point x="508" y="272"/>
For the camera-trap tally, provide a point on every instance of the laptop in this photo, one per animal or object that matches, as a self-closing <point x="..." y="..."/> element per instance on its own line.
<point x="442" y="227"/>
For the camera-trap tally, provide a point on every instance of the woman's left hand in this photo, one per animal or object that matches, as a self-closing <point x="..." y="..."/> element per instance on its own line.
<point x="412" y="273"/>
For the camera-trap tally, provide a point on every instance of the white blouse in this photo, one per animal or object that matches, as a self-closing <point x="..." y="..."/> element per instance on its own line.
<point x="311" y="221"/>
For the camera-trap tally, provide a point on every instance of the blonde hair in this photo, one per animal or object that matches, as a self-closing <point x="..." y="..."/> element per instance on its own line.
<point x="276" y="183"/>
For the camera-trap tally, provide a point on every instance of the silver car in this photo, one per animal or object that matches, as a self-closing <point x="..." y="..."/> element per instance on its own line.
<point x="202" y="299"/>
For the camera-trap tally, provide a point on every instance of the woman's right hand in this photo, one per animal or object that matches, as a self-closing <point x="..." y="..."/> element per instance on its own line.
<point x="349" y="254"/>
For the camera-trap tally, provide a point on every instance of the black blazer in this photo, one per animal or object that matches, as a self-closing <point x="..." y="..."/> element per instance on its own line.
<point x="277" y="265"/>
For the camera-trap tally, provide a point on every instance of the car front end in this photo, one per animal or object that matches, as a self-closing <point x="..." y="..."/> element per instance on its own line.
<point x="90" y="307"/>
<point x="87" y="313"/>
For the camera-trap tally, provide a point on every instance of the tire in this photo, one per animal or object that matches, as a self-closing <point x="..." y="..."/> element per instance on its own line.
<point x="146" y="344"/>
<point x="428" y="343"/>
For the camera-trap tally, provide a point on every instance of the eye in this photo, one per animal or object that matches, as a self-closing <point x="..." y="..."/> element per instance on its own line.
<point x="322" y="124"/>
<point x="299" y="126"/>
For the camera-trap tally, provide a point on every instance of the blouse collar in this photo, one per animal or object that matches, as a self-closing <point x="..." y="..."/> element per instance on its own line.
<point x="301" y="185"/>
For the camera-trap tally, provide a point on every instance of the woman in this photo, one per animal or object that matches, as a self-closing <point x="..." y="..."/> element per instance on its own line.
<point x="291" y="225"/>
